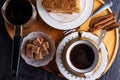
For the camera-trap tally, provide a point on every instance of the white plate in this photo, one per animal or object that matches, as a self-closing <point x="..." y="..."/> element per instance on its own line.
<point x="64" y="21"/>
<point x="90" y="75"/>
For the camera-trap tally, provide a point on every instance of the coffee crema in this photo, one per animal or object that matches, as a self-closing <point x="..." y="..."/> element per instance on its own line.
<point x="82" y="56"/>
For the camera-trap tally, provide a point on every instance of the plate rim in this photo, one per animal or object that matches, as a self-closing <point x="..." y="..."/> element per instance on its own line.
<point x="65" y="26"/>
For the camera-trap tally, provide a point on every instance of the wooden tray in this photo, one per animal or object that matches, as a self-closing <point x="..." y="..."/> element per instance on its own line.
<point x="111" y="39"/>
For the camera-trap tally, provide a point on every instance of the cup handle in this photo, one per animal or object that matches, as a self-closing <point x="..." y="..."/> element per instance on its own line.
<point x="16" y="50"/>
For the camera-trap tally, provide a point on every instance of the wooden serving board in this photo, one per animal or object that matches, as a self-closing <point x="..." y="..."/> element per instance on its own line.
<point x="111" y="40"/>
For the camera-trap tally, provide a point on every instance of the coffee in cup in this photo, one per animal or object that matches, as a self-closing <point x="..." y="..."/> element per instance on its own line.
<point x="82" y="56"/>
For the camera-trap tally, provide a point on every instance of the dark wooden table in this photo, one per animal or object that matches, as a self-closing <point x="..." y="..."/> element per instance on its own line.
<point x="30" y="73"/>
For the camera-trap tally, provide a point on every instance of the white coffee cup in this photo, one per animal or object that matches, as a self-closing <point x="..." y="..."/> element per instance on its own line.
<point x="94" y="53"/>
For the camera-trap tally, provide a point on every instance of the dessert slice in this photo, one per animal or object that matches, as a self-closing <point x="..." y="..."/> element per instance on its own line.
<point x="64" y="6"/>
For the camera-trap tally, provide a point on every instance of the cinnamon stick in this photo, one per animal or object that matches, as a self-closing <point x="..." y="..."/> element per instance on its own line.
<point x="107" y="22"/>
<point x="104" y="21"/>
<point x="95" y="28"/>
<point x="100" y="19"/>
<point x="112" y="26"/>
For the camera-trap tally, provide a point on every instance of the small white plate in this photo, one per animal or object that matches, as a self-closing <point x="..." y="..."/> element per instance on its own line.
<point x="64" y="21"/>
<point x="93" y="75"/>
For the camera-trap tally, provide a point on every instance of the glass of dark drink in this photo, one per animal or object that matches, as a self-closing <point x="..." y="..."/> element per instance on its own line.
<point x="82" y="56"/>
<point x="20" y="14"/>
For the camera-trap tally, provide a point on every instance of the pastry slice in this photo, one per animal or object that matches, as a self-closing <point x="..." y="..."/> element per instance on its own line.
<point x="64" y="6"/>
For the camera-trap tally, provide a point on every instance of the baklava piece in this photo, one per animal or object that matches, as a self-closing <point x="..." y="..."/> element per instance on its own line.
<point x="62" y="6"/>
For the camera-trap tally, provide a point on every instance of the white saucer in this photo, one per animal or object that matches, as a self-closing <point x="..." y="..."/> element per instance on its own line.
<point x="64" y="21"/>
<point x="93" y="75"/>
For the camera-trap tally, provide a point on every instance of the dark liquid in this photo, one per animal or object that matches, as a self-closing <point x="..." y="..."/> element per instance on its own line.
<point x="18" y="12"/>
<point x="82" y="56"/>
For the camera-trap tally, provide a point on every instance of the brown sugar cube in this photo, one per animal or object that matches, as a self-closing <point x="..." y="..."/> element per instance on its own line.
<point x="45" y="53"/>
<point x="45" y="47"/>
<point x="41" y="40"/>
<point x="41" y="48"/>
<point x="47" y="44"/>
<point x="37" y="42"/>
<point x="35" y="49"/>
<point x="29" y="47"/>
<point x="38" y="56"/>
<point x="29" y="54"/>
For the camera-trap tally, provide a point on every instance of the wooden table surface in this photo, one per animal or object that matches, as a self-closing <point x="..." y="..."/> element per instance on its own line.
<point x="30" y="73"/>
